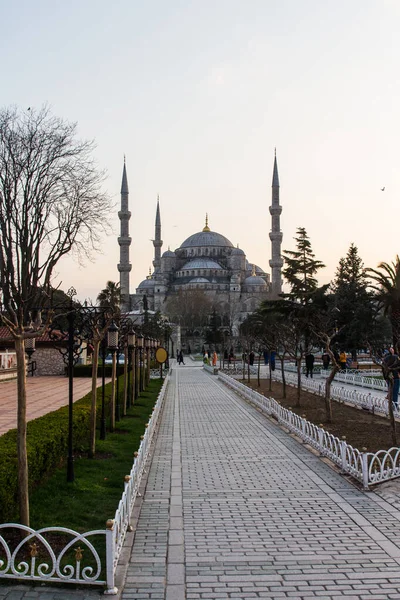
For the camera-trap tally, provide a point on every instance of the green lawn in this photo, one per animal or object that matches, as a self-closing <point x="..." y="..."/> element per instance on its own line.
<point x="93" y="497"/>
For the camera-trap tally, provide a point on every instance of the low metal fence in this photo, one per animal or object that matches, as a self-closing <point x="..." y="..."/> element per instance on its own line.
<point x="370" y="381"/>
<point x="361" y="399"/>
<point x="366" y="467"/>
<point x="37" y="555"/>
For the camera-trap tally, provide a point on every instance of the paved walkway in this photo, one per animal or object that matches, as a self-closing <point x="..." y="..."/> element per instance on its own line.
<point x="44" y="394"/>
<point x="234" y="507"/>
<point x="237" y="508"/>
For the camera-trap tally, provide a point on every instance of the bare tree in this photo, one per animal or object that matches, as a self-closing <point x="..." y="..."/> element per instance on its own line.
<point x="51" y="203"/>
<point x="327" y="339"/>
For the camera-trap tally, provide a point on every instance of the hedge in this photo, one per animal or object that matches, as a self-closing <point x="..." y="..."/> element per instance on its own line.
<point x="86" y="371"/>
<point x="47" y="447"/>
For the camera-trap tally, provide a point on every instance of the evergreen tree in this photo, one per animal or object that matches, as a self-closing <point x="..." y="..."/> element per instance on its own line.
<point x="213" y="333"/>
<point x="300" y="269"/>
<point x="352" y="301"/>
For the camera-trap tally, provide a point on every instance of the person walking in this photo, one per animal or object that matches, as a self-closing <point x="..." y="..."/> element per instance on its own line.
<point x="309" y="364"/>
<point x="214" y="359"/>
<point x="343" y="360"/>
<point x="326" y="359"/>
<point x="180" y="357"/>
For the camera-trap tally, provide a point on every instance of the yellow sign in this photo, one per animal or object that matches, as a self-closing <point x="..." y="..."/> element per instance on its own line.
<point x="161" y="355"/>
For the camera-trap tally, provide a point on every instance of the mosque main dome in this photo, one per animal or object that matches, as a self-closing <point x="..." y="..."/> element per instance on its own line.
<point x="209" y="239"/>
<point x="206" y="239"/>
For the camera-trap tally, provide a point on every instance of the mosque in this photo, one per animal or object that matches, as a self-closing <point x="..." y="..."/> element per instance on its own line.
<point x="205" y="261"/>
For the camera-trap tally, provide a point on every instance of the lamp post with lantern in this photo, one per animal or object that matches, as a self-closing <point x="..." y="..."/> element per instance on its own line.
<point x="112" y="343"/>
<point x="110" y="340"/>
<point x="140" y="345"/>
<point x="29" y="351"/>
<point x="147" y="362"/>
<point x="136" y="366"/>
<point x="131" y="343"/>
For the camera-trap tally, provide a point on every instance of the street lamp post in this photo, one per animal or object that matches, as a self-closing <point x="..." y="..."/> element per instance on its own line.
<point x="117" y="403"/>
<point x="70" y="356"/>
<point x="103" y="389"/>
<point x="136" y="357"/>
<point x="29" y="350"/>
<point x="112" y="343"/>
<point x="140" y="342"/>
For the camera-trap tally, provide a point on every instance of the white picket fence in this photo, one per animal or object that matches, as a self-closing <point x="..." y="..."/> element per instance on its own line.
<point x="24" y="560"/>
<point x="367" y="467"/>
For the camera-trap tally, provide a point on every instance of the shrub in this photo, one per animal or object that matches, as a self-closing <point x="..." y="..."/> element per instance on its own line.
<point x="47" y="445"/>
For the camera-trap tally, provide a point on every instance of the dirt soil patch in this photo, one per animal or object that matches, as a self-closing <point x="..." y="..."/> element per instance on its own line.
<point x="361" y="428"/>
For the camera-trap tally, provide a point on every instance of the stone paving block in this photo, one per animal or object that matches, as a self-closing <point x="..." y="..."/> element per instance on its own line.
<point x="176" y="573"/>
<point x="175" y="592"/>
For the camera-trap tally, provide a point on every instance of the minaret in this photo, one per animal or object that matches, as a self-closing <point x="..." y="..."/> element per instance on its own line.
<point x="276" y="262"/>
<point x="124" y="242"/>
<point x="157" y="242"/>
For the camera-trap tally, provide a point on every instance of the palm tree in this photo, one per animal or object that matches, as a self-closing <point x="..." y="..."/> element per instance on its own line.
<point x="110" y="297"/>
<point x="388" y="294"/>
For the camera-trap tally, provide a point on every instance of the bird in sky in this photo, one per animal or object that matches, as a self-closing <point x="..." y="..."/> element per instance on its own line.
<point x="29" y="108"/>
<point x="382" y="189"/>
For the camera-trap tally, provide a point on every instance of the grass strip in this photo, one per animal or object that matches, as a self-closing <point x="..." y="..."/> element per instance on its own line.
<point x="93" y="497"/>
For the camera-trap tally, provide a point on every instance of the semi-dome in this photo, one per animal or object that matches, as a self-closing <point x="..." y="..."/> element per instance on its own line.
<point x="251" y="267"/>
<point x="147" y="283"/>
<point x="168" y="254"/>
<point x="254" y="280"/>
<point x="207" y="238"/>
<point x="237" y="252"/>
<point x="201" y="263"/>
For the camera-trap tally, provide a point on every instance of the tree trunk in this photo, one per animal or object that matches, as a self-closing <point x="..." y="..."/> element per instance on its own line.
<point x="133" y="374"/>
<point x="23" y="480"/>
<point x="328" y="401"/>
<point x="93" y="407"/>
<point x="113" y="386"/>
<point x="298" y="382"/>
<point x="135" y="368"/>
<point x="248" y="370"/>
<point x="283" y="377"/>
<point x="148" y="368"/>
<point x="126" y="382"/>
<point x="258" y="370"/>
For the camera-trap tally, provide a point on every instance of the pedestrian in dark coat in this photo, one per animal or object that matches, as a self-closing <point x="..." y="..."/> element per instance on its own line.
<point x="309" y="364"/>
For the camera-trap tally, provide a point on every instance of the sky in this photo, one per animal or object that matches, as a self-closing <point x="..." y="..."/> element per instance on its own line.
<point x="198" y="93"/>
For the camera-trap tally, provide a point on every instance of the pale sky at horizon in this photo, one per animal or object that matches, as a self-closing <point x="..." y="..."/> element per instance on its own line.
<point x="197" y="95"/>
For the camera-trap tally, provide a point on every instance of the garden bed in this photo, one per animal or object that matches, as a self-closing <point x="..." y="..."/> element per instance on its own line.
<point x="361" y="428"/>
